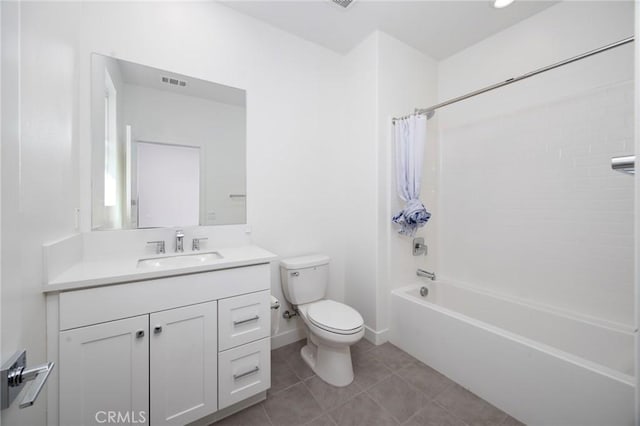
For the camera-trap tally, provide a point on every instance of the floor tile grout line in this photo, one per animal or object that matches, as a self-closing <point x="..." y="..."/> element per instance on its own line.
<point x="451" y="413"/>
<point x="286" y="387"/>
<point x="381" y="407"/>
<point x="442" y="391"/>
<point x="362" y="389"/>
<point x="312" y="396"/>
<point x="266" y="413"/>
<point x="416" y="390"/>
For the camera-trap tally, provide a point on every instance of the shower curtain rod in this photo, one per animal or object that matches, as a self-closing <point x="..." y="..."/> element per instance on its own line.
<point x="430" y="111"/>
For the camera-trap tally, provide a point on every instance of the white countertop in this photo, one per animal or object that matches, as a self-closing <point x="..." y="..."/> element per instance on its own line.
<point x="116" y="271"/>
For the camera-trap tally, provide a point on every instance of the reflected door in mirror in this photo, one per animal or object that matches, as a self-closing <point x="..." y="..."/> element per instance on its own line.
<point x="168" y="185"/>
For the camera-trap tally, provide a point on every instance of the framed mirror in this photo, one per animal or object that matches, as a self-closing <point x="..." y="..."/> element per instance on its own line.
<point x="167" y="149"/>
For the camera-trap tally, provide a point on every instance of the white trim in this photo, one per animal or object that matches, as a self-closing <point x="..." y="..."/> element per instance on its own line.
<point x="286" y="337"/>
<point x="376" y="337"/>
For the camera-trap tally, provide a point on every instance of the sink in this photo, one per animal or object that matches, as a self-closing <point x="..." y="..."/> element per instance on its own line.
<point x="179" y="261"/>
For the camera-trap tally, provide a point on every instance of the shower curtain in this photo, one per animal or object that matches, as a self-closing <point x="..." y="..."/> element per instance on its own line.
<point x="409" y="137"/>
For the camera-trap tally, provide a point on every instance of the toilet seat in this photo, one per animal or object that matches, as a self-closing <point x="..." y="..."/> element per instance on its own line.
<point x="334" y="317"/>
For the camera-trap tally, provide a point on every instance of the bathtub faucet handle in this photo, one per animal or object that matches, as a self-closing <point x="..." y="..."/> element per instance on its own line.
<point x="426" y="274"/>
<point x="419" y="247"/>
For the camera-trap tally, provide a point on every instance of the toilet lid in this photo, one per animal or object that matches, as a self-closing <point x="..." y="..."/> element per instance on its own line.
<point x="335" y="316"/>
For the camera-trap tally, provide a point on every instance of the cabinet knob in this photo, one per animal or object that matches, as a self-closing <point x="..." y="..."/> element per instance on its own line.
<point x="157" y="329"/>
<point x="139" y="334"/>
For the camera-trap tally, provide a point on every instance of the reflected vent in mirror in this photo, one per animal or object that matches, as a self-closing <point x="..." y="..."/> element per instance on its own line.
<point x="343" y="3"/>
<point x="174" y="81"/>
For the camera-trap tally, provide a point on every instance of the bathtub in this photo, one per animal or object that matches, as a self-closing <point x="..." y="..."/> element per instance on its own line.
<point x="543" y="367"/>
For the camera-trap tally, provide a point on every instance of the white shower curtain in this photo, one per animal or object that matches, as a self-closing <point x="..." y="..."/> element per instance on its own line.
<point x="410" y="135"/>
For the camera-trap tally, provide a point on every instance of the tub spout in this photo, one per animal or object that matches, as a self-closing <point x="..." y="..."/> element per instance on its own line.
<point x="426" y="274"/>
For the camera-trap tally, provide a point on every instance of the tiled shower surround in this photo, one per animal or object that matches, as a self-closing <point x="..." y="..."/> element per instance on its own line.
<point x="530" y="206"/>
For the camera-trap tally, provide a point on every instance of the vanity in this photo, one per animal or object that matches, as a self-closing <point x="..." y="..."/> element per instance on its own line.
<point x="172" y="344"/>
<point x="156" y="314"/>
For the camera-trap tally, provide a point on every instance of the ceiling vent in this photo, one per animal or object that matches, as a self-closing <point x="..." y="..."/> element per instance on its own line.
<point x="343" y="3"/>
<point x="174" y="81"/>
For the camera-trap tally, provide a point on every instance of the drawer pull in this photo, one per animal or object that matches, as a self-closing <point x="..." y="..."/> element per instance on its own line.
<point x="244" y="321"/>
<point x="246" y="373"/>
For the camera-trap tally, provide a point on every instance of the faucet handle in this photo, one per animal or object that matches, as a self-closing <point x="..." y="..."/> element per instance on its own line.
<point x="195" y="245"/>
<point x="159" y="246"/>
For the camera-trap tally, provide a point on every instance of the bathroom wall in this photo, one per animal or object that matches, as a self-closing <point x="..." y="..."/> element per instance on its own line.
<point x="292" y="87"/>
<point x="528" y="204"/>
<point x="39" y="174"/>
<point x="407" y="80"/>
<point x="386" y="78"/>
<point x="360" y="193"/>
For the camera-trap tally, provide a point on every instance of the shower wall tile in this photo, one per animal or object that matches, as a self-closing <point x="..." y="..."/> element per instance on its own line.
<point x="531" y="207"/>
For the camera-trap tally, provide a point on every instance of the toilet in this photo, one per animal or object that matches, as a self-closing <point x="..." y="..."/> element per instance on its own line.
<point x="332" y="327"/>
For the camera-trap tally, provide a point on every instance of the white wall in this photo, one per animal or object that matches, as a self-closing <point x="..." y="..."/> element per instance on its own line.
<point x="386" y="78"/>
<point x="528" y="203"/>
<point x="12" y="323"/>
<point x="407" y="80"/>
<point x="360" y="201"/>
<point x="218" y="129"/>
<point x="293" y="184"/>
<point x="38" y="170"/>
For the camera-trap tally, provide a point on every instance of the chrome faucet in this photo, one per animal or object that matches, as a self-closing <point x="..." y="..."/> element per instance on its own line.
<point x="195" y="244"/>
<point x="426" y="274"/>
<point x="179" y="241"/>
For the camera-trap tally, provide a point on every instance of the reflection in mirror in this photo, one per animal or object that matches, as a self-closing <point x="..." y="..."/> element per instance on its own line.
<point x="167" y="149"/>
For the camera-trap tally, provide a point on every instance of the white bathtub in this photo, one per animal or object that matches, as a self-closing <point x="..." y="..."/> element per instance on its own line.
<point x="540" y="366"/>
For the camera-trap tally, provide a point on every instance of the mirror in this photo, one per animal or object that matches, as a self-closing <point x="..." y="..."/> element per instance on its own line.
<point x="167" y="149"/>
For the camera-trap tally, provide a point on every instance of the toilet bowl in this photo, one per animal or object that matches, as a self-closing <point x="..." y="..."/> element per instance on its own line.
<point x="331" y="327"/>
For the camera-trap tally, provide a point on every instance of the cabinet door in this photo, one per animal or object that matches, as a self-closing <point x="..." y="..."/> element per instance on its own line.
<point x="104" y="373"/>
<point x="183" y="364"/>
<point x="243" y="319"/>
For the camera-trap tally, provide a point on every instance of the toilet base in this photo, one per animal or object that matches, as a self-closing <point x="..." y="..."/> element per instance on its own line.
<point x="331" y="364"/>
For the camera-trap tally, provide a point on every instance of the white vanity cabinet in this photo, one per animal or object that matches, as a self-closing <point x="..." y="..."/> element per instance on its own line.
<point x="167" y="351"/>
<point x="182" y="364"/>
<point x="104" y="368"/>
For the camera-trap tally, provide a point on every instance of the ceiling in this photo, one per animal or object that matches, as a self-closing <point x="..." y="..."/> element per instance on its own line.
<point x="437" y="28"/>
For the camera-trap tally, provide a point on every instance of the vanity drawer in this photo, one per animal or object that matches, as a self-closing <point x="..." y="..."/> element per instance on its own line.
<point x="243" y="372"/>
<point x="243" y="319"/>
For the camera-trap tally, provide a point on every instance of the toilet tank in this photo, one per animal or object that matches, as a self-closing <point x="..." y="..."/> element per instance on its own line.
<point x="304" y="278"/>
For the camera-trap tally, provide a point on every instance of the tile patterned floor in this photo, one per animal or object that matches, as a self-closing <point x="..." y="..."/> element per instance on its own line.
<point x="390" y="388"/>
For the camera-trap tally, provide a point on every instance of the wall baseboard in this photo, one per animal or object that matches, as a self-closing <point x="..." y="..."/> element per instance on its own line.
<point x="287" y="337"/>
<point x="376" y="337"/>
<point x="291" y="336"/>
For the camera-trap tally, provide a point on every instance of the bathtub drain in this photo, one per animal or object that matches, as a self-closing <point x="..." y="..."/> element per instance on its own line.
<point x="424" y="291"/>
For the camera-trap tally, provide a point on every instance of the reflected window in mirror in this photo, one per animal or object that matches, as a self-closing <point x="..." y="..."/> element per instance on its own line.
<point x="110" y="151"/>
